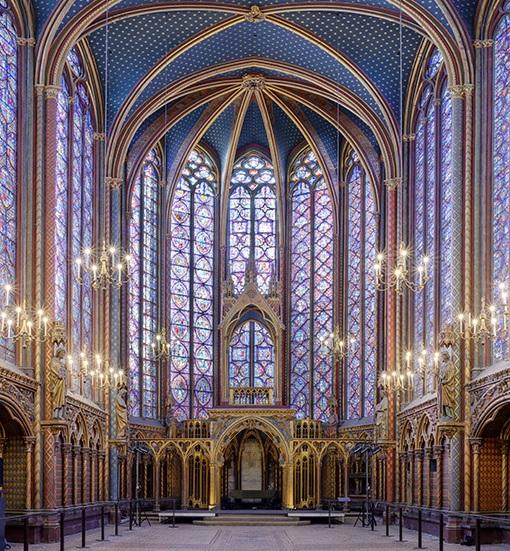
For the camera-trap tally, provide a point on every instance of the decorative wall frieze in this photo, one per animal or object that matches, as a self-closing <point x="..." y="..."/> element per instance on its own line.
<point x="255" y="15"/>
<point x="19" y="388"/>
<point x="478" y="43"/>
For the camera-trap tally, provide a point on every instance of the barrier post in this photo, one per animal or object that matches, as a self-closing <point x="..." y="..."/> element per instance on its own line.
<point x="116" y="518"/>
<point x="363" y="514"/>
<point x="102" y="522"/>
<point x="372" y="516"/>
<point x="477" y="535"/>
<point x="387" y="520"/>
<point x="329" y="514"/>
<point x="419" y="530"/>
<point x="130" y="515"/>
<point x="25" y="534"/>
<point x="83" y="528"/>
<point x="62" y="527"/>
<point x="441" y="529"/>
<point x="400" y="522"/>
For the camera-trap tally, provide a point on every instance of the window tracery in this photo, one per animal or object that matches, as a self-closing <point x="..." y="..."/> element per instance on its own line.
<point x="8" y="155"/>
<point x="252" y="222"/>
<point x="360" y="290"/>
<point x="191" y="291"/>
<point x="311" y="288"/>
<point x="432" y="217"/>
<point x="501" y="165"/>
<point x="143" y="288"/>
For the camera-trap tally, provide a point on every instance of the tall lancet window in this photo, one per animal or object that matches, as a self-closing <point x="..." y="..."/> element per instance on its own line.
<point x="8" y="155"/>
<point x="252" y="222"/>
<point x="191" y="277"/>
<point x="74" y="193"/>
<point x="251" y="356"/>
<point x="361" y="292"/>
<point x="432" y="215"/>
<point x="143" y="287"/>
<point x="311" y="288"/>
<point x="501" y="164"/>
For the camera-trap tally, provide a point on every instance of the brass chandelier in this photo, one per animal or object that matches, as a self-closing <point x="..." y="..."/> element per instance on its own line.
<point x="104" y="267"/>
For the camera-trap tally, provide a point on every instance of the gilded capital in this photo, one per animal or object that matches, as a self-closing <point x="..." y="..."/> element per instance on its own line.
<point x="478" y="43"/>
<point x="393" y="183"/>
<point x="460" y="91"/>
<point x="51" y="91"/>
<point x="113" y="183"/>
<point x="255" y="15"/>
<point x="99" y="136"/>
<point x="25" y="41"/>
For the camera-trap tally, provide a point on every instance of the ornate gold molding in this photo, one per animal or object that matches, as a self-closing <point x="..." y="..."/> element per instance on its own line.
<point x="51" y="92"/>
<point x="478" y="43"/>
<point x="255" y="15"/>
<point x="409" y="137"/>
<point x="254" y="82"/>
<point x="393" y="183"/>
<point x="99" y="136"/>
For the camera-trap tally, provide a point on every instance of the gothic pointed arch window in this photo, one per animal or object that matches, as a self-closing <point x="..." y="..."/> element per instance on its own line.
<point x="432" y="214"/>
<point x="74" y="197"/>
<point x="143" y="234"/>
<point x="251" y="356"/>
<point x="252" y="222"/>
<point x="360" y="289"/>
<point x="311" y="288"/>
<point x="8" y="156"/>
<point x="191" y="246"/>
<point x="500" y="200"/>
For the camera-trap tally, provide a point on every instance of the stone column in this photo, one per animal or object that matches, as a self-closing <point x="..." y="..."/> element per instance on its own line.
<point x="504" y="476"/>
<point x="145" y="462"/>
<point x="429" y="488"/>
<point x="185" y="482"/>
<point x="418" y="458"/>
<point x="76" y="457"/>
<point x="288" y="485"/>
<point x="102" y="461"/>
<point x="29" y="445"/>
<point x="93" y="475"/>
<point x="476" y="444"/>
<point x="156" y="483"/>
<point x="438" y="451"/>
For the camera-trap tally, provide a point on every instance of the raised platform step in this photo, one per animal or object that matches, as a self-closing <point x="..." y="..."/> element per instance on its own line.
<point x="251" y="520"/>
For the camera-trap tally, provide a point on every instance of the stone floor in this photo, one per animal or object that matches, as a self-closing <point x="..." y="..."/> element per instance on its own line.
<point x="316" y="537"/>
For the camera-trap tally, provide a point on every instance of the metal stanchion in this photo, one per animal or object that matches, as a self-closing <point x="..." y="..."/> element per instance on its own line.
<point x="372" y="516"/>
<point x="130" y="515"/>
<point x="26" y="544"/>
<point x="441" y="528"/>
<point x="116" y="512"/>
<point x="62" y="527"/>
<point x="173" y="514"/>
<point x="83" y="528"/>
<point x="363" y="514"/>
<point x="400" y="522"/>
<point x="477" y="535"/>
<point x="102" y="522"/>
<point x="387" y="520"/>
<point x="419" y="530"/>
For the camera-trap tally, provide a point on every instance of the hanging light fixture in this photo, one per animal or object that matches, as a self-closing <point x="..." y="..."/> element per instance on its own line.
<point x="409" y="273"/>
<point x="96" y="368"/>
<point x="107" y="264"/>
<point x="20" y="323"/>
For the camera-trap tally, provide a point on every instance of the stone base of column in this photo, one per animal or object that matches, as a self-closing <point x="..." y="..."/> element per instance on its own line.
<point x="453" y="530"/>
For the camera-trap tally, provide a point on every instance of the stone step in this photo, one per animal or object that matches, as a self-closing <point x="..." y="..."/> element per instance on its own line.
<point x="252" y="521"/>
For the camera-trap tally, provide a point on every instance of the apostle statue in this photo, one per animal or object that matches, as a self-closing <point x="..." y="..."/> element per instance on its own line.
<point x="446" y="398"/>
<point x="121" y="410"/>
<point x="381" y="419"/>
<point x="333" y="410"/>
<point x="58" y="380"/>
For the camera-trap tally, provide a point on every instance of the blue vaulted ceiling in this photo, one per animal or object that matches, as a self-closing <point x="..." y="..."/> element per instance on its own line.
<point x="368" y="44"/>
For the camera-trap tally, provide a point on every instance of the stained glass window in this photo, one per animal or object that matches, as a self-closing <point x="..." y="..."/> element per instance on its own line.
<point x="432" y="222"/>
<point x="143" y="288"/>
<point x="191" y="278"/>
<point x="501" y="164"/>
<point x="252" y="222"/>
<point x="311" y="288"/>
<point x="251" y="356"/>
<point x="361" y="293"/>
<point x="8" y="156"/>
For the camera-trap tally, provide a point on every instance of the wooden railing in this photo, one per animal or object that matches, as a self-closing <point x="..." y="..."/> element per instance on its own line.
<point x="251" y="396"/>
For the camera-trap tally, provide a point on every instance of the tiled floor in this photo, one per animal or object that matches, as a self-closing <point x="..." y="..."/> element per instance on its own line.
<point x="187" y="537"/>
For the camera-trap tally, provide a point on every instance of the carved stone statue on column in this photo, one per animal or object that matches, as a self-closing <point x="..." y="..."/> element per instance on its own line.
<point x="169" y="415"/>
<point x="58" y="380"/>
<point x="381" y="419"/>
<point x="446" y="396"/>
<point x="121" y="410"/>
